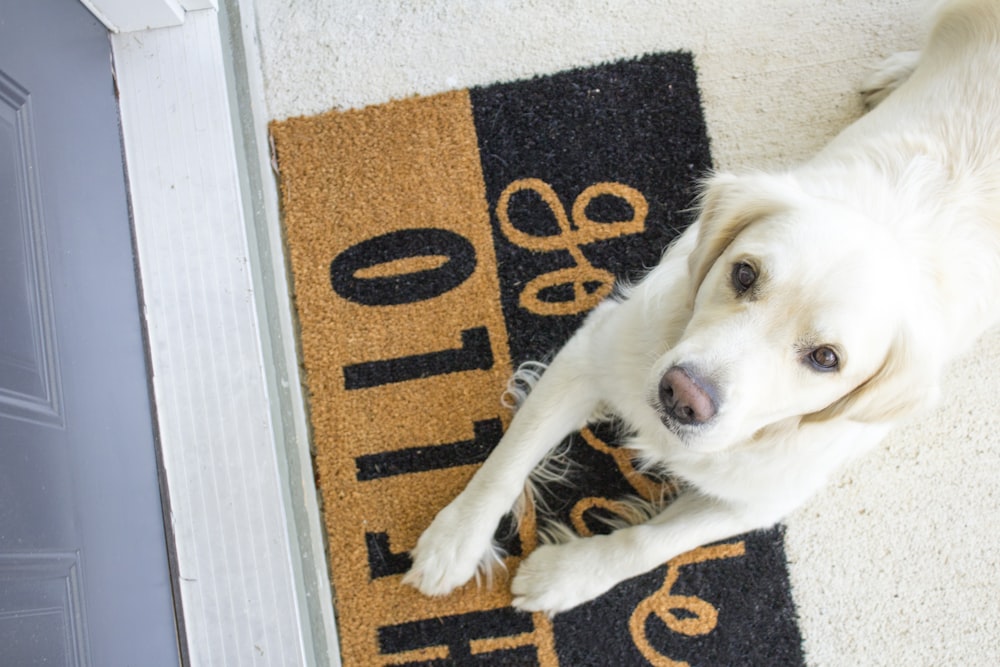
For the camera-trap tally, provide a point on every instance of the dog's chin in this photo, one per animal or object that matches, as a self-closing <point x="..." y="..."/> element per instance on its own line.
<point x="708" y="438"/>
<point x="694" y="438"/>
<point x="699" y="439"/>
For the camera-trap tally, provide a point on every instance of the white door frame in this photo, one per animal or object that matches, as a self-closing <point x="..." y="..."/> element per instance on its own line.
<point x="247" y="536"/>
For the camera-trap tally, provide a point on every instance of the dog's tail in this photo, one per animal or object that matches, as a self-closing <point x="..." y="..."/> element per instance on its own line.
<point x="960" y="22"/>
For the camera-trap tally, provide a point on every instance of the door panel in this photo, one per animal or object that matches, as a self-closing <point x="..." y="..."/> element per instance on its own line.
<point x="42" y="617"/>
<point x="84" y="576"/>
<point x="28" y="386"/>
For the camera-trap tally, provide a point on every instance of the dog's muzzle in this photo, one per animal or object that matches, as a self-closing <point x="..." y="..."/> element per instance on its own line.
<point x="686" y="398"/>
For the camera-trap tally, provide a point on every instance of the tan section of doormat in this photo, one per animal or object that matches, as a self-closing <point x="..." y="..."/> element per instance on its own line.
<point x="348" y="178"/>
<point x="435" y="244"/>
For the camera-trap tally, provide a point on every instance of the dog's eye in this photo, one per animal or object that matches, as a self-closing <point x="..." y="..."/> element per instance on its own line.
<point x="824" y="359"/>
<point x="743" y="277"/>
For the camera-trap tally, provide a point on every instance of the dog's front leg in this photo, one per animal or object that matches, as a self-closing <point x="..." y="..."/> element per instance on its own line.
<point x="557" y="577"/>
<point x="460" y="539"/>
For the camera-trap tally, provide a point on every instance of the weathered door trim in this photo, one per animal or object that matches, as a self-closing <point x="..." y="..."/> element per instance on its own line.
<point x="252" y="573"/>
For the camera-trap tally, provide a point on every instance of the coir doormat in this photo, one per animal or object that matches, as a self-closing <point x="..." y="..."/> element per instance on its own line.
<point x="438" y="242"/>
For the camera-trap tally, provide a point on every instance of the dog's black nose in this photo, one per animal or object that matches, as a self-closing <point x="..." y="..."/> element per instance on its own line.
<point x="685" y="398"/>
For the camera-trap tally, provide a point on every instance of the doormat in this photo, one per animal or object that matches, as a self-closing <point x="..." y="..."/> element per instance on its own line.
<point x="438" y="242"/>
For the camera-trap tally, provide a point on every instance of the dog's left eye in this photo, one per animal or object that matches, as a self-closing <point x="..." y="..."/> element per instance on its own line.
<point x="824" y="359"/>
<point x="743" y="277"/>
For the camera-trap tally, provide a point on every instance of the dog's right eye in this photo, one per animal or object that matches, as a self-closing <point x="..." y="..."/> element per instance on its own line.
<point x="743" y="277"/>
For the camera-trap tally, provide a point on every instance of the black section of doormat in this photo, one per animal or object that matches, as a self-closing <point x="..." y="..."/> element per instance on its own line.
<point x="638" y="123"/>
<point x="571" y="162"/>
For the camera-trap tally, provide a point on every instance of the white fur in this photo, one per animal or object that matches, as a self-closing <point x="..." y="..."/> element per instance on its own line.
<point x="886" y="247"/>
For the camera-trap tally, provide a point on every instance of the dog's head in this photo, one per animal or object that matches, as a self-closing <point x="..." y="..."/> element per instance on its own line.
<point x="801" y="308"/>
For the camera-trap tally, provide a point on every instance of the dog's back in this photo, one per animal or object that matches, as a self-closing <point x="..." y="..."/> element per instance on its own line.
<point x="926" y="161"/>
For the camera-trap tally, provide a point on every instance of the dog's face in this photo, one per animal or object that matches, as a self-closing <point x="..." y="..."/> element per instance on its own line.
<point x="798" y="312"/>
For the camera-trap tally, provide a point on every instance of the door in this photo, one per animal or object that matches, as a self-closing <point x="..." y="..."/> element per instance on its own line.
<point x="84" y="577"/>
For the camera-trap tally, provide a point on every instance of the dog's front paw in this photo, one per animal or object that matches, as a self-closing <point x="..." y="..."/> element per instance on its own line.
<point x="557" y="577"/>
<point x="451" y="552"/>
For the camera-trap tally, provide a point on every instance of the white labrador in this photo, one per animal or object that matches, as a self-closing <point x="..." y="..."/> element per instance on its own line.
<point x="783" y="334"/>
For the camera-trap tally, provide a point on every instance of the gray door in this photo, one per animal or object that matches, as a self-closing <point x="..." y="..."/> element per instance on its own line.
<point x="84" y="576"/>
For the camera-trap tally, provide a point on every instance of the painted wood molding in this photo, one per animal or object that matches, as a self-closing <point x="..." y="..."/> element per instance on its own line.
<point x="130" y="15"/>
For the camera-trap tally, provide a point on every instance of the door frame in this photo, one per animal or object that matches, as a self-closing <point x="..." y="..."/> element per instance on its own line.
<point x="249" y="558"/>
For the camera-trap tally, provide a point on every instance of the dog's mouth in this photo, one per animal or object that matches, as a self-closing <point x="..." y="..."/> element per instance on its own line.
<point x="675" y="426"/>
<point x="683" y="431"/>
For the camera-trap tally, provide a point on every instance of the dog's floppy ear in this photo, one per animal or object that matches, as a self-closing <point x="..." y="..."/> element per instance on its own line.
<point x="728" y="205"/>
<point x="906" y="382"/>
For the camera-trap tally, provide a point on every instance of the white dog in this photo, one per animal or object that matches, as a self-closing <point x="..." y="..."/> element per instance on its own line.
<point x="800" y="317"/>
